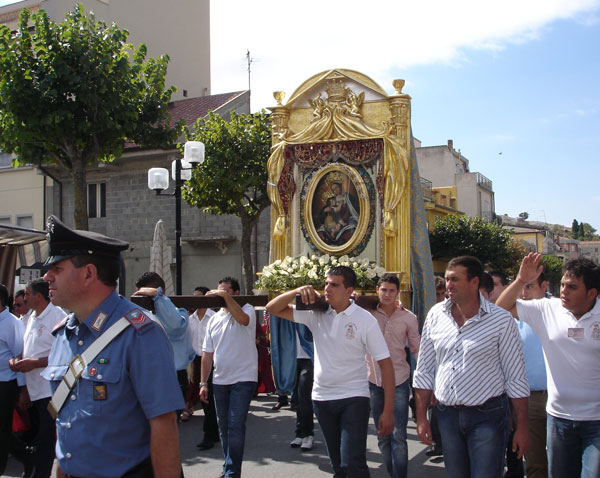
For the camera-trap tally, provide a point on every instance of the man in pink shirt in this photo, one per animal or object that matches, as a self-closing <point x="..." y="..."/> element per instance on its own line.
<point x="397" y="325"/>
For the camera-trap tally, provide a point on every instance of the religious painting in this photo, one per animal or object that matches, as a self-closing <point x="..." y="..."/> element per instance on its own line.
<point x="337" y="209"/>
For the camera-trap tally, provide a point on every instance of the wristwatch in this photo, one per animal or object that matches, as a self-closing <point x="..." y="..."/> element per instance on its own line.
<point x="203" y="384"/>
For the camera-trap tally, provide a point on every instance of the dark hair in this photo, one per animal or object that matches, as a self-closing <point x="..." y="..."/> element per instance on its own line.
<point x="541" y="278"/>
<point x="500" y="275"/>
<point x="586" y="270"/>
<point x="472" y="264"/>
<point x="150" y="279"/>
<point x="235" y="285"/>
<point x="202" y="289"/>
<point x="487" y="283"/>
<point x="40" y="286"/>
<point x="346" y="272"/>
<point x="20" y="293"/>
<point x="440" y="283"/>
<point x="391" y="278"/>
<point x="4" y="296"/>
<point x="108" y="268"/>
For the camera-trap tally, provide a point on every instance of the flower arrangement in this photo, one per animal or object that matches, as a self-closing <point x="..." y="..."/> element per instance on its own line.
<point x="289" y="273"/>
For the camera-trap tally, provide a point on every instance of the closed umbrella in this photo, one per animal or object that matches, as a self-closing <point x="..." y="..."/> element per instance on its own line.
<point x="160" y="261"/>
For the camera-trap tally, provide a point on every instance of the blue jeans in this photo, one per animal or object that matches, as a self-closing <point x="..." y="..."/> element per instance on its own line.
<point x="475" y="438"/>
<point x="232" y="402"/>
<point x="344" y="424"/>
<point x="573" y="448"/>
<point x="393" y="447"/>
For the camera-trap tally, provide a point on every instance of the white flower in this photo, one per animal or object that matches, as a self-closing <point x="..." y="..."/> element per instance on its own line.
<point x="344" y="259"/>
<point x="267" y="273"/>
<point x="371" y="274"/>
<point x="324" y="259"/>
<point x="355" y="264"/>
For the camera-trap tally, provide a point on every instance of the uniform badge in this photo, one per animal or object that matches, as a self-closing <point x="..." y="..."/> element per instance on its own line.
<point x="100" y="391"/>
<point x="92" y="371"/>
<point x="137" y="318"/>
<point x="99" y="321"/>
<point x="103" y="360"/>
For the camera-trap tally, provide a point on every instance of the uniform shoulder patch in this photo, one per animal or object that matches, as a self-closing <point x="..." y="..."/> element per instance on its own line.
<point x="59" y="325"/>
<point x="137" y="318"/>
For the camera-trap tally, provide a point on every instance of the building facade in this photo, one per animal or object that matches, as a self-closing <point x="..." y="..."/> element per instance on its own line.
<point x="445" y="167"/>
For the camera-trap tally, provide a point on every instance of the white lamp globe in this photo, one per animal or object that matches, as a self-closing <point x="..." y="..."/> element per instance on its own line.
<point x="158" y="179"/>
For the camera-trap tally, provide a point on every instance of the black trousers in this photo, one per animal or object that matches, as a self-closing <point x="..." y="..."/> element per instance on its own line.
<point x="45" y="438"/>
<point x="9" y="443"/>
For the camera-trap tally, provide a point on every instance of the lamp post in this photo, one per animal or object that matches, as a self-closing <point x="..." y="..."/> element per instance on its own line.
<point x="181" y="170"/>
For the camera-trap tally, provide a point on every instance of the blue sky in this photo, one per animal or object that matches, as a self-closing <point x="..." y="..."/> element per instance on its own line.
<point x="517" y="77"/>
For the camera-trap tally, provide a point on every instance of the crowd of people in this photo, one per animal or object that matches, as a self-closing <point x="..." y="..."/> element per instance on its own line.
<point x="506" y="378"/>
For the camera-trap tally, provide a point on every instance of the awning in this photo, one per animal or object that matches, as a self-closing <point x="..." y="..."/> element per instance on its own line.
<point x="19" y="247"/>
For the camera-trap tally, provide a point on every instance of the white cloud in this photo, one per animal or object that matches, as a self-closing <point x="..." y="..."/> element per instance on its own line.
<point x="292" y="41"/>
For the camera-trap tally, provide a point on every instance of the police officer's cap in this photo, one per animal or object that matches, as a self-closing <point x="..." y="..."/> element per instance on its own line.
<point x="65" y="242"/>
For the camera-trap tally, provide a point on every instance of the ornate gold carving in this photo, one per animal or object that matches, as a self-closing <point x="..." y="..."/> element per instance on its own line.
<point x="339" y="117"/>
<point x="398" y="85"/>
<point x="279" y="96"/>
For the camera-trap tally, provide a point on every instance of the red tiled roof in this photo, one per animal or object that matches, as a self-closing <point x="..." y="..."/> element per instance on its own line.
<point x="191" y="109"/>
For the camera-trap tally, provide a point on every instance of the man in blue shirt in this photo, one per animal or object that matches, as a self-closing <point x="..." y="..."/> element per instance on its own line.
<point x="175" y="322"/>
<point x="12" y="331"/>
<point x="118" y="419"/>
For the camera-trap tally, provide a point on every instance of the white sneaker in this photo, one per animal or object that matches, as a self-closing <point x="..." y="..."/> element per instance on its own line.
<point x="307" y="443"/>
<point x="296" y="442"/>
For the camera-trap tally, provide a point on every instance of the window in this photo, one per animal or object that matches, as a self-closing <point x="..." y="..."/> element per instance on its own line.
<point x="97" y="200"/>
<point x="5" y="220"/>
<point x="25" y="221"/>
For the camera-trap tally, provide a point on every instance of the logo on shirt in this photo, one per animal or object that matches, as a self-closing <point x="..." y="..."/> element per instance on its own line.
<point x="596" y="331"/>
<point x="351" y="331"/>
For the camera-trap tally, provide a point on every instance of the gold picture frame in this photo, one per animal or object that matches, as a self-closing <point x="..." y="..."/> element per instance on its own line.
<point x="336" y="211"/>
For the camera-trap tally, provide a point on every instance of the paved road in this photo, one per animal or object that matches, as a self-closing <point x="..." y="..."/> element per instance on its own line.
<point x="268" y="453"/>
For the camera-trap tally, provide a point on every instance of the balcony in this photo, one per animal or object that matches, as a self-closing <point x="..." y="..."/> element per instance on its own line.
<point x="484" y="182"/>
<point x="426" y="189"/>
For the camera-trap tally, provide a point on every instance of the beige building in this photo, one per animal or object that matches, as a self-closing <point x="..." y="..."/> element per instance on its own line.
<point x="446" y="167"/>
<point x="179" y="29"/>
<point x="590" y="250"/>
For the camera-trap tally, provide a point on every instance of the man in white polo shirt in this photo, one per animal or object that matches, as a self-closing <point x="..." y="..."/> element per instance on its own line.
<point x="569" y="330"/>
<point x="342" y="335"/>
<point x="230" y="343"/>
<point x="37" y="343"/>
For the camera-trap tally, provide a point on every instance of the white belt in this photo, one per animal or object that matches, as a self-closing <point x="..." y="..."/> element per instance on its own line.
<point x="80" y="362"/>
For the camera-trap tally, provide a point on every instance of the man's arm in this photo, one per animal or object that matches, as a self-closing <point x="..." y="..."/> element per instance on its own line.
<point x="423" y="396"/>
<point x="529" y="271"/>
<point x="205" y="368"/>
<point x="174" y="320"/>
<point x="164" y="446"/>
<point x="232" y="306"/>
<point x="386" y="420"/>
<point x="520" y="442"/>
<point x="27" y="364"/>
<point x="280" y="305"/>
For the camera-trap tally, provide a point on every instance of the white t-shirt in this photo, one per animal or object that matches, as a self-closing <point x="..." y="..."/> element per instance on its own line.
<point x="341" y="342"/>
<point x="572" y="355"/>
<point x="198" y="329"/>
<point x="37" y="343"/>
<point x="234" y="346"/>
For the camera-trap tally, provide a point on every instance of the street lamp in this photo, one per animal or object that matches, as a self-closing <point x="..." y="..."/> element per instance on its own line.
<point x="181" y="170"/>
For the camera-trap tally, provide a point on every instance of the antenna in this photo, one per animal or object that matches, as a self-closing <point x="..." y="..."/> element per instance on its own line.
<point x="249" y="60"/>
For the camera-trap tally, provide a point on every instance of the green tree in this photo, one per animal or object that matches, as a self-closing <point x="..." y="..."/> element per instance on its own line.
<point x="589" y="232"/>
<point x="233" y="178"/>
<point x="454" y="236"/>
<point x="575" y="229"/>
<point x="553" y="270"/>
<point x="524" y="216"/>
<point x="73" y="93"/>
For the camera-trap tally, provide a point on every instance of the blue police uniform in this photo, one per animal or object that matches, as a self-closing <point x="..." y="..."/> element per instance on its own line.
<point x="103" y="428"/>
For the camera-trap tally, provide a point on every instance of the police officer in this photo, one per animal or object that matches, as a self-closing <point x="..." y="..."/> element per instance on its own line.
<point x="114" y="392"/>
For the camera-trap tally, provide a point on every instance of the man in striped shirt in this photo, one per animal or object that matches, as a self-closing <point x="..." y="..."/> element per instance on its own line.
<point x="471" y="359"/>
